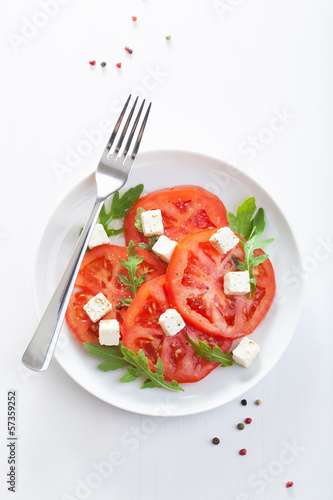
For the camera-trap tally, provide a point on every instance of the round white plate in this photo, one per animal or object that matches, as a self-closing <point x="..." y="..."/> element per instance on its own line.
<point x="159" y="170"/>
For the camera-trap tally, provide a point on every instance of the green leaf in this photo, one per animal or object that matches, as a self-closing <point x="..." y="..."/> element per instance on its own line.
<point x="214" y="355"/>
<point x="137" y="219"/>
<point x="132" y="263"/>
<point x="120" y="207"/>
<point x="111" y="354"/>
<point x="128" y="377"/>
<point x="140" y="368"/>
<point x="126" y="302"/>
<point x="241" y="223"/>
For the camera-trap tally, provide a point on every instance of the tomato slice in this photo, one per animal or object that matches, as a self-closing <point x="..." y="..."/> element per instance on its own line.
<point x="194" y="285"/>
<point x="185" y="210"/>
<point x="142" y="331"/>
<point x="99" y="273"/>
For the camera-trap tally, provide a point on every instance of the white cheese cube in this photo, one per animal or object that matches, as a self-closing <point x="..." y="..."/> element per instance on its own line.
<point x="224" y="240"/>
<point x="98" y="237"/>
<point x="152" y="224"/>
<point x="108" y="332"/>
<point x="245" y="353"/>
<point x="237" y="283"/>
<point x="164" y="248"/>
<point x="171" y="322"/>
<point x="97" y="307"/>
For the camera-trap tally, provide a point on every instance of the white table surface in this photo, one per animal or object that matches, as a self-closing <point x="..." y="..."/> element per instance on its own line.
<point x="229" y="67"/>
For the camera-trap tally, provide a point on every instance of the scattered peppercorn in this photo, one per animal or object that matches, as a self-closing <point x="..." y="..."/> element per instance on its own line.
<point x="92" y="63"/>
<point x="243" y="451"/>
<point x="215" y="440"/>
<point x="248" y="420"/>
<point x="289" y="484"/>
<point x="240" y="426"/>
<point x="130" y="51"/>
<point x="258" y="402"/>
<point x="168" y="37"/>
<point x="134" y="18"/>
<point x="118" y="65"/>
<point x="244" y="402"/>
<point x="119" y="306"/>
<point x="103" y="64"/>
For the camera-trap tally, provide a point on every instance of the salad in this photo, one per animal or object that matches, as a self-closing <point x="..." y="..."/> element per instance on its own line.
<point x="191" y="280"/>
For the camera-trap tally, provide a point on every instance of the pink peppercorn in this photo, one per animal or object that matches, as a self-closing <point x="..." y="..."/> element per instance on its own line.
<point x="243" y="451"/>
<point x="118" y="65"/>
<point x="92" y="63"/>
<point x="289" y="484"/>
<point x="248" y="420"/>
<point x="134" y="18"/>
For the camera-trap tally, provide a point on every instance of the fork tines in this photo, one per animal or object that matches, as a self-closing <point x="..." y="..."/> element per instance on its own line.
<point x="125" y="129"/>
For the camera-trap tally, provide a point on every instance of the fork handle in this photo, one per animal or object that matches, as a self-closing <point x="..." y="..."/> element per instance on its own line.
<point x="40" y="350"/>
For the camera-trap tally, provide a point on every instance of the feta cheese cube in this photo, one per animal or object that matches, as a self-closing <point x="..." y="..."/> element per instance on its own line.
<point x="97" y="307"/>
<point x="152" y="224"/>
<point x="98" y="237"/>
<point x="164" y="248"/>
<point x="237" y="283"/>
<point x="171" y="322"/>
<point x="224" y="240"/>
<point x="245" y="353"/>
<point x="108" y="330"/>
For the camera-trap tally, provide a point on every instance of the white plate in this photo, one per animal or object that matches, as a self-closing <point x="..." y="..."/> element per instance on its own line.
<point x="159" y="170"/>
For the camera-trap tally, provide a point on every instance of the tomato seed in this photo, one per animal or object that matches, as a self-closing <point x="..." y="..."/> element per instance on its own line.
<point x="244" y="402"/>
<point x="240" y="426"/>
<point x="289" y="484"/>
<point x="243" y="451"/>
<point x="248" y="420"/>
<point x="215" y="440"/>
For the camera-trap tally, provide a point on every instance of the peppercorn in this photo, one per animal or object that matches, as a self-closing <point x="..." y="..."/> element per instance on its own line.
<point x="216" y="440"/>
<point x="118" y="65"/>
<point x="248" y="420"/>
<point x="240" y="426"/>
<point x="244" y="402"/>
<point x="168" y="37"/>
<point x="243" y="451"/>
<point x="289" y="484"/>
<point x="119" y="306"/>
<point x="134" y="18"/>
<point x="103" y="64"/>
<point x="92" y="63"/>
<point x="130" y="51"/>
<point x="258" y="402"/>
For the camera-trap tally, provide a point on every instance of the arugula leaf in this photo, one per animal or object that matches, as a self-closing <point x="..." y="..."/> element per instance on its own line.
<point x="214" y="355"/>
<point x="241" y="223"/>
<point x="119" y="208"/>
<point x="250" y="229"/>
<point x="138" y="224"/>
<point x="137" y="365"/>
<point x="131" y="264"/>
<point x="140" y="368"/>
<point x="111" y="354"/>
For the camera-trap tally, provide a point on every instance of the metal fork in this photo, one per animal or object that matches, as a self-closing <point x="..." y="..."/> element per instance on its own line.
<point x="111" y="174"/>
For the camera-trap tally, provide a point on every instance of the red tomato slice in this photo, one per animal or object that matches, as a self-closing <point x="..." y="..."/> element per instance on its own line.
<point x="142" y="331"/>
<point x="80" y="323"/>
<point x="99" y="273"/>
<point x="185" y="210"/>
<point x="195" y="288"/>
